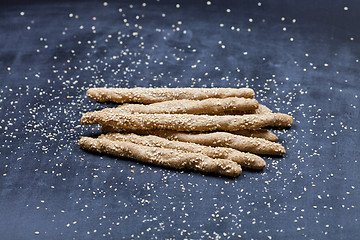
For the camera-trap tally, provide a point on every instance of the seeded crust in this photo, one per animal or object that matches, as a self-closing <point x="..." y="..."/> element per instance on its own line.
<point x="217" y="139"/>
<point x="223" y="139"/>
<point x="185" y="122"/>
<point x="261" y="133"/>
<point x="245" y="159"/>
<point x="162" y="156"/>
<point x="262" y="109"/>
<point x="211" y="106"/>
<point x="152" y="95"/>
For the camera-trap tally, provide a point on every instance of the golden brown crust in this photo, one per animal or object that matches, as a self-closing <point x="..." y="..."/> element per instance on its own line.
<point x="245" y="159"/>
<point x="152" y="95"/>
<point x="211" y="106"/>
<point x="224" y="139"/>
<point x="185" y="122"/>
<point x="162" y="156"/>
<point x="261" y="133"/>
<point x="262" y="109"/>
<point x="217" y="139"/>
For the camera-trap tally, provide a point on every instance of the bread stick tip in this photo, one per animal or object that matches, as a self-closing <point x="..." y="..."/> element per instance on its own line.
<point x="88" y="118"/>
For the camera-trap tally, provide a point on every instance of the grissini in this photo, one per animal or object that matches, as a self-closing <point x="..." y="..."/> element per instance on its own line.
<point x="223" y="139"/>
<point x="162" y="156"/>
<point x="244" y="159"/>
<point x="210" y="106"/>
<point x="152" y="95"/>
<point x="261" y="133"/>
<point x="186" y="122"/>
<point x="262" y="109"/>
<point x="217" y="139"/>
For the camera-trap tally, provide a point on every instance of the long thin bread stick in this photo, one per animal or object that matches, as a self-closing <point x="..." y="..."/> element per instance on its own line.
<point x="261" y="133"/>
<point x="262" y="109"/>
<point x="218" y="139"/>
<point x="224" y="139"/>
<point x="152" y="95"/>
<point x="162" y="156"/>
<point x="185" y="122"/>
<point x="244" y="159"/>
<point x="211" y="106"/>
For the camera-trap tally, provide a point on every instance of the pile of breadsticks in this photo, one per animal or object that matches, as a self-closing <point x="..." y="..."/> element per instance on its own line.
<point x="212" y="130"/>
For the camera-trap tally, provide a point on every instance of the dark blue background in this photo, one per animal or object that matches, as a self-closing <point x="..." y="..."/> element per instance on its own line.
<point x="301" y="57"/>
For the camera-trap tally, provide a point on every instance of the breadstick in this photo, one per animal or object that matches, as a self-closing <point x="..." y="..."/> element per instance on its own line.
<point x="217" y="139"/>
<point x="262" y="109"/>
<point x="185" y="122"/>
<point x="152" y="95"/>
<point x="211" y="106"/>
<point x="223" y="139"/>
<point x="162" y="156"/>
<point x="261" y="133"/>
<point x="245" y="159"/>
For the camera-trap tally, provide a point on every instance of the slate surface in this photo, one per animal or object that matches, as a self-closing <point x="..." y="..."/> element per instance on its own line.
<point x="300" y="57"/>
